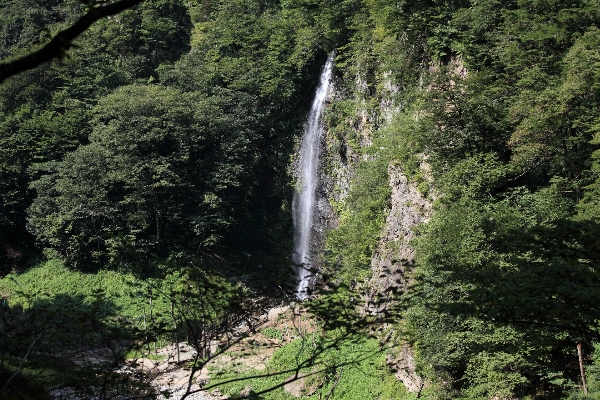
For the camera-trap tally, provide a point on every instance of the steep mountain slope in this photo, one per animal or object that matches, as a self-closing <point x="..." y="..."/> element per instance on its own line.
<point x="459" y="192"/>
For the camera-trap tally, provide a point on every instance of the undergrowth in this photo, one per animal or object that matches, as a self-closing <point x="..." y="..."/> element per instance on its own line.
<point x="332" y="365"/>
<point x="54" y="281"/>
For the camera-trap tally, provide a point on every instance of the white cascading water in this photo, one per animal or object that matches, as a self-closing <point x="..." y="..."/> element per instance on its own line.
<point x="305" y="198"/>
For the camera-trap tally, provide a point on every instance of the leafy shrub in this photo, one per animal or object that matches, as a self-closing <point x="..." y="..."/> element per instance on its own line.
<point x="272" y="333"/>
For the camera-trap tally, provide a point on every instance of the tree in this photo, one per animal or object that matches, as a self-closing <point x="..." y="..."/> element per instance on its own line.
<point x="62" y="41"/>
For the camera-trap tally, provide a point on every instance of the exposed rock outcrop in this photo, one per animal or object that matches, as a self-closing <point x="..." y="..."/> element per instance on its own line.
<point x="391" y="262"/>
<point x="409" y="208"/>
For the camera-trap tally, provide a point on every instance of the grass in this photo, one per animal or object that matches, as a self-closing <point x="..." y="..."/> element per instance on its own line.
<point x="350" y="367"/>
<point x="53" y="279"/>
<point x="272" y="333"/>
<point x="122" y="294"/>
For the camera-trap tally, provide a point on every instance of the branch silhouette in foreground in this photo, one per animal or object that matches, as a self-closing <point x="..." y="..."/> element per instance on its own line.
<point x="62" y="41"/>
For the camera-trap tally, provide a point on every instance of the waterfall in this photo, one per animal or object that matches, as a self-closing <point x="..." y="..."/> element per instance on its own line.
<point x="307" y="176"/>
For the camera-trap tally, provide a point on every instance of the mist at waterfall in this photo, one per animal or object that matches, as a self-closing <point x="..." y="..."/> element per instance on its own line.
<point x="307" y="176"/>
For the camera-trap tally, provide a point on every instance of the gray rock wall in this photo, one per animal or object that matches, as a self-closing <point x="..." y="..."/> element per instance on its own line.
<point x="391" y="262"/>
<point x="408" y="209"/>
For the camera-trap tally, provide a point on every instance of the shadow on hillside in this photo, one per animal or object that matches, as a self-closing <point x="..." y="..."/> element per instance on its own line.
<point x="59" y="341"/>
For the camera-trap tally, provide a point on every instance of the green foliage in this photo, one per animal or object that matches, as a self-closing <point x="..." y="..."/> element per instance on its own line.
<point x="485" y="271"/>
<point x="53" y="279"/>
<point x="506" y="122"/>
<point x="161" y="143"/>
<point x="352" y="243"/>
<point x="51" y="314"/>
<point x="220" y="127"/>
<point x="354" y="240"/>
<point x="272" y="333"/>
<point x="45" y="113"/>
<point x="348" y="367"/>
<point x="153" y="152"/>
<point x="504" y="266"/>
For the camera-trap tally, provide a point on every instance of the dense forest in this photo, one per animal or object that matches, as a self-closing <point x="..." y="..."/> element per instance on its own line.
<point x="146" y="181"/>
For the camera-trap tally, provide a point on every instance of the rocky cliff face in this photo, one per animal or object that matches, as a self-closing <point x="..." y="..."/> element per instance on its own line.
<point x="394" y="254"/>
<point x="390" y="264"/>
<point x="408" y="207"/>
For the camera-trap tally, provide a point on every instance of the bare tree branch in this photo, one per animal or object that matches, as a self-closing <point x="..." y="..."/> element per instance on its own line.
<point x="62" y="41"/>
<point x="18" y="371"/>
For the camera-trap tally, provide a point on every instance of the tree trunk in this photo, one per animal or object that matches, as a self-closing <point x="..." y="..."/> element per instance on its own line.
<point x="157" y="229"/>
<point x="580" y="353"/>
<point x="176" y="335"/>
